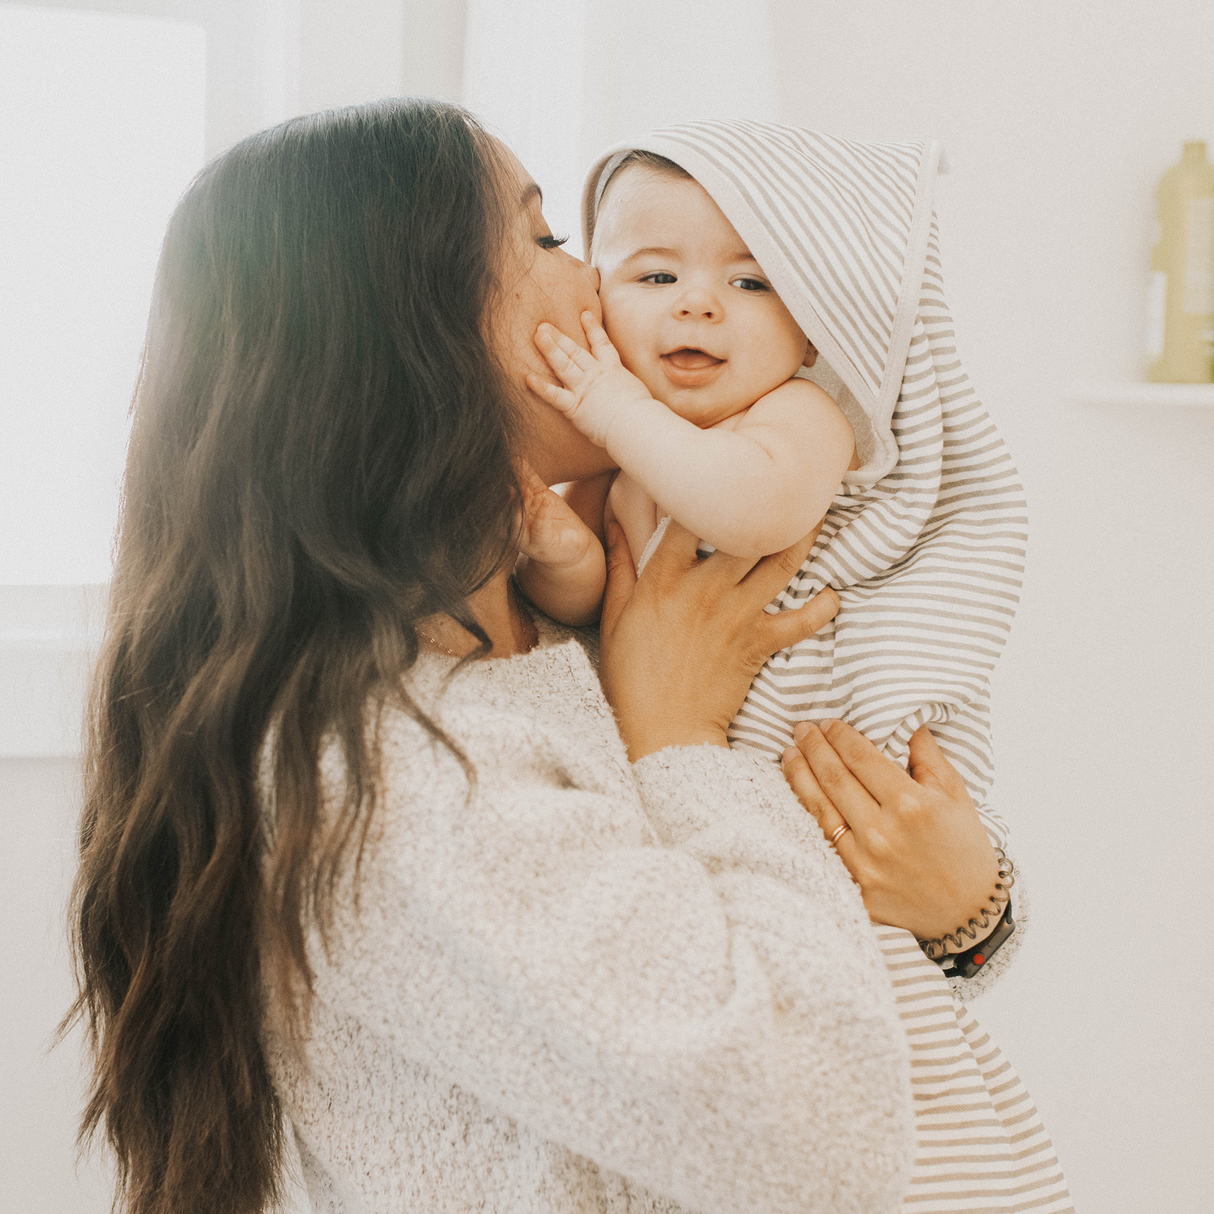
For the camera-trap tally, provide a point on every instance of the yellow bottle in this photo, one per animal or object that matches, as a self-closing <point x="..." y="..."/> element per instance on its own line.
<point x="1180" y="297"/>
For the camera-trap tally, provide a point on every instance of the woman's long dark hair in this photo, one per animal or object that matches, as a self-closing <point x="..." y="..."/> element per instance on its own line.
<point x="321" y="455"/>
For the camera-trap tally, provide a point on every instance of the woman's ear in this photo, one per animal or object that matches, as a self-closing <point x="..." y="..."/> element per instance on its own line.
<point x="811" y="354"/>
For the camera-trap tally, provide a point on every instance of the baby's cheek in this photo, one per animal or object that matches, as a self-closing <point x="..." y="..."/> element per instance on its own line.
<point x="626" y="339"/>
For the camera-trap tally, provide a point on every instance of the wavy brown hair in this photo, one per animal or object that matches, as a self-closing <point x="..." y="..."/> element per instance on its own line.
<point x="321" y="455"/>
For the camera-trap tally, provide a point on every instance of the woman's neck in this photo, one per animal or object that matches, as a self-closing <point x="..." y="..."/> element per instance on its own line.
<point x="497" y="609"/>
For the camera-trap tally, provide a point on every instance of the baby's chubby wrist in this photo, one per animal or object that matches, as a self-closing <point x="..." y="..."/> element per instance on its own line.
<point x="623" y="418"/>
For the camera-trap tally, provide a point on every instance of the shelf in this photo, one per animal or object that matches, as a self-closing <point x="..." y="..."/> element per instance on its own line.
<point x="1150" y="396"/>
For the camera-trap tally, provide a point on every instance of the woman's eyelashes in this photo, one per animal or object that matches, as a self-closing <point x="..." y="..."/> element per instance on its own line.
<point x="549" y="241"/>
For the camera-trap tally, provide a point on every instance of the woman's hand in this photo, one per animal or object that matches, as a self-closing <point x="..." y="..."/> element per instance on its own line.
<point x="597" y="386"/>
<point x="916" y="847"/>
<point x="681" y="643"/>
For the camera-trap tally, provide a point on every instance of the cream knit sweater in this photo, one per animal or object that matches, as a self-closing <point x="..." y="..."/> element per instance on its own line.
<point x="585" y="985"/>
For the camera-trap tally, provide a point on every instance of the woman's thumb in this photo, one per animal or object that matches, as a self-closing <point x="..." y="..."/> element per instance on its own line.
<point x="927" y="764"/>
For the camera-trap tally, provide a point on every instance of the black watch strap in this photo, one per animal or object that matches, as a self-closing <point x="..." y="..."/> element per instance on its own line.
<point x="967" y="964"/>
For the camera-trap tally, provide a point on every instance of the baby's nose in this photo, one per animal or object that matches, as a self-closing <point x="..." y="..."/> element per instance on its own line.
<point x="699" y="304"/>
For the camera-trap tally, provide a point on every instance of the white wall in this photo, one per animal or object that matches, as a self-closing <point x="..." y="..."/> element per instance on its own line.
<point x="40" y="1094"/>
<point x="1058" y="119"/>
<point x="560" y="80"/>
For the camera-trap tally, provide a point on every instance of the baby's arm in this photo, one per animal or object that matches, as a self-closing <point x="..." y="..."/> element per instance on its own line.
<point x="561" y="566"/>
<point x="749" y="486"/>
<point x="635" y="511"/>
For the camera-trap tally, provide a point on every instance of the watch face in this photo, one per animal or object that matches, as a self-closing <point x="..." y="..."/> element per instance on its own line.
<point x="969" y="963"/>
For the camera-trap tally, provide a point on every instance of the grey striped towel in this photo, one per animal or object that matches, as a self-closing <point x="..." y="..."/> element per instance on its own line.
<point x="925" y="543"/>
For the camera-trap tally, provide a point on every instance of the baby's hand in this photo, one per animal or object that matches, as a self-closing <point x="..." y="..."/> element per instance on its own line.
<point x="597" y="385"/>
<point x="552" y="533"/>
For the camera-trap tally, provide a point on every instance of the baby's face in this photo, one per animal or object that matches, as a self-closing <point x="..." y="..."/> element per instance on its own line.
<point x="691" y="313"/>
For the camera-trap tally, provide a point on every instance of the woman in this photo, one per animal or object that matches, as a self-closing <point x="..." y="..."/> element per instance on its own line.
<point x="361" y="840"/>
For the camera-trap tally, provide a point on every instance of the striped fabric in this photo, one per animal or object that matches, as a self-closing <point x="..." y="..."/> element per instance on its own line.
<point x="981" y="1144"/>
<point x="927" y="564"/>
<point x="925" y="543"/>
<point x="925" y="546"/>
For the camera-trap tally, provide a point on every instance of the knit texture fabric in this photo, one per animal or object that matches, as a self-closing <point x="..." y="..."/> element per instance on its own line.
<point x="584" y="985"/>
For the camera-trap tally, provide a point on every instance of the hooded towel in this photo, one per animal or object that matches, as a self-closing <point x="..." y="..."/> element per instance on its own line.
<point x="925" y="543"/>
<point x="925" y="546"/>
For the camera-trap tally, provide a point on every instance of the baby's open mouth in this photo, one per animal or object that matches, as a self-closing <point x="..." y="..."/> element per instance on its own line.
<point x="691" y="360"/>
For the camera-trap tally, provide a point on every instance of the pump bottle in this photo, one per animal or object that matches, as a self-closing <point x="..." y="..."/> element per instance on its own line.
<point x="1180" y="297"/>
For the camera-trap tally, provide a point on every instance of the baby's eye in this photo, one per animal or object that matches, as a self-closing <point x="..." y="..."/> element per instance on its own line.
<point x="750" y="284"/>
<point x="659" y="278"/>
<point x="550" y="241"/>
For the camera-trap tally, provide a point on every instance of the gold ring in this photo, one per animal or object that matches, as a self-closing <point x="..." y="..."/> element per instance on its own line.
<point x="838" y="834"/>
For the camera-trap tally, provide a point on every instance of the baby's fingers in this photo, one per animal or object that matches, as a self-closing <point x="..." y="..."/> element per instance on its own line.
<point x="566" y="358"/>
<point x="600" y="343"/>
<point x="558" y="397"/>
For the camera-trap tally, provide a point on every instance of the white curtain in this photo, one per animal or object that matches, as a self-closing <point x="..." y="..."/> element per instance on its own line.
<point x="561" y="79"/>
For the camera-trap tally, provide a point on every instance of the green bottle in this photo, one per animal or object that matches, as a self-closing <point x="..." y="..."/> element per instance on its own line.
<point x="1180" y="295"/>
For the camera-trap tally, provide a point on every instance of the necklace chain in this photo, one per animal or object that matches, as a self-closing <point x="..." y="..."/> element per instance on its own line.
<point x="425" y="636"/>
<point x="530" y="634"/>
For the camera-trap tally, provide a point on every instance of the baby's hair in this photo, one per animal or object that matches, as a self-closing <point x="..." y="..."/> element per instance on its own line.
<point x="649" y="160"/>
<point x="645" y="160"/>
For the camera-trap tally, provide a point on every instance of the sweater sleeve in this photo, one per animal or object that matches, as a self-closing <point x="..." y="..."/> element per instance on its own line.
<point x="654" y="974"/>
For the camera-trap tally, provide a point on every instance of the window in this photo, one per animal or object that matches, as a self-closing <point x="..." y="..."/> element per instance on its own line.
<point x="101" y="122"/>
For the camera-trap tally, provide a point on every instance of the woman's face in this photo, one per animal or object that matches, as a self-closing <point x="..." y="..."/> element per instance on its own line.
<point x="542" y="282"/>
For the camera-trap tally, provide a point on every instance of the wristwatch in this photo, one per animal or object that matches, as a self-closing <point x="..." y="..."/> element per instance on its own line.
<point x="967" y="964"/>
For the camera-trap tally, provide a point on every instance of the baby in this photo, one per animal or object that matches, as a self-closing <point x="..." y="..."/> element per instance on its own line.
<point x="734" y="256"/>
<point x="693" y="393"/>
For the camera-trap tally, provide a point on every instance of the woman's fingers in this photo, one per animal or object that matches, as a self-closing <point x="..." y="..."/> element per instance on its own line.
<point x="883" y="779"/>
<point x="676" y="549"/>
<point x="928" y="766"/>
<point x="927" y="864"/>
<point x="528" y="478"/>
<point x="845" y="791"/>
<point x="809" y="792"/>
<point x="786" y="628"/>
<point x="770" y="575"/>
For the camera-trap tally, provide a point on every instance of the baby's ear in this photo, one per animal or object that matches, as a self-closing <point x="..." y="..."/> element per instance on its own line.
<point x="811" y="354"/>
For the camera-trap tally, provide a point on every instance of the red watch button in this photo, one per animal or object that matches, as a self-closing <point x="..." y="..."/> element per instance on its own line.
<point x="978" y="958"/>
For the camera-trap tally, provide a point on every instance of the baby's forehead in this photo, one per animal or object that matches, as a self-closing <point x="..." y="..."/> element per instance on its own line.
<point x="644" y="204"/>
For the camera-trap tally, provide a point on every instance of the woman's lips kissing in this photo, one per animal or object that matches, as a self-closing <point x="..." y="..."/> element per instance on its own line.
<point x="688" y="366"/>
